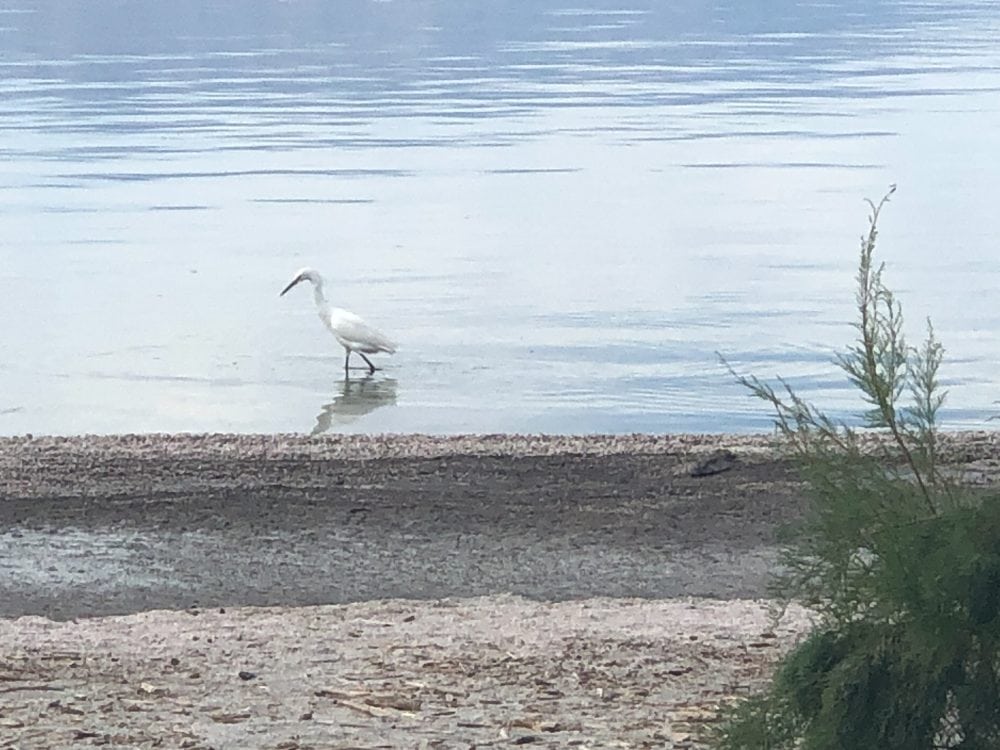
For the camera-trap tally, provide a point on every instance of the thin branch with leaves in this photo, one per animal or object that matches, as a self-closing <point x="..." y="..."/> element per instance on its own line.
<point x="901" y="563"/>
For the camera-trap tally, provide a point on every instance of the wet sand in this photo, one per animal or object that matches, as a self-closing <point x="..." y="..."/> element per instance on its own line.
<point x="97" y="526"/>
<point x="111" y="525"/>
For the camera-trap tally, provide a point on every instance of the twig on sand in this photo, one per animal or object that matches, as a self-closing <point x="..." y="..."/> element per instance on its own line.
<point x="16" y="688"/>
<point x="373" y="705"/>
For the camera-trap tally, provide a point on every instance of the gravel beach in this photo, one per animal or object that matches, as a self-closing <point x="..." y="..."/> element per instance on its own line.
<point x="290" y="593"/>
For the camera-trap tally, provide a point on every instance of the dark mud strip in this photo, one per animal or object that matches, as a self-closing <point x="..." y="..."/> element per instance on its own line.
<point x="94" y="526"/>
<point x="103" y="525"/>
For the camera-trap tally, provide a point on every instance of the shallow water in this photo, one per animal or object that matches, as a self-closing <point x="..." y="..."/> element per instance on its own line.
<point x="561" y="211"/>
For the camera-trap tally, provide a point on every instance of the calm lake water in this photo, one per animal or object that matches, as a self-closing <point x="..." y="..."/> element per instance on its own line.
<point x="561" y="210"/>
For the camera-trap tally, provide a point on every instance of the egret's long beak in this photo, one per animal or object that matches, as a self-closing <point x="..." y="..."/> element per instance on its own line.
<point x="295" y="281"/>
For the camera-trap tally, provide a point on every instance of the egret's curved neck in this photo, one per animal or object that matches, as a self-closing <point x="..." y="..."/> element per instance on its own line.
<point x="318" y="295"/>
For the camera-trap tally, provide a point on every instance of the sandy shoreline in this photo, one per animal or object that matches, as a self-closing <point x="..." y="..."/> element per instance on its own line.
<point x="93" y="526"/>
<point x="386" y="565"/>
<point x="487" y="672"/>
<point x="112" y="525"/>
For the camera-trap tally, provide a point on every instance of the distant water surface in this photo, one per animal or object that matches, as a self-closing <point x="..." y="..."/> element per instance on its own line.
<point x="561" y="211"/>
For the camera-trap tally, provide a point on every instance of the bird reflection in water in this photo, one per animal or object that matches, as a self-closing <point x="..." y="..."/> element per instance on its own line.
<point x="355" y="399"/>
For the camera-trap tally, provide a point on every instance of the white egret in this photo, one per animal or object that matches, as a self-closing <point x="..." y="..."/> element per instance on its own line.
<point x="351" y="331"/>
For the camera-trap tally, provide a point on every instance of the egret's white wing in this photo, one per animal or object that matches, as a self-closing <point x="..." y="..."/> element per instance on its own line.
<point x="352" y="331"/>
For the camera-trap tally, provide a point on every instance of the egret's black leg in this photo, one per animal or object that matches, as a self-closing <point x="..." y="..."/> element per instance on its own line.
<point x="371" y="367"/>
<point x="347" y="362"/>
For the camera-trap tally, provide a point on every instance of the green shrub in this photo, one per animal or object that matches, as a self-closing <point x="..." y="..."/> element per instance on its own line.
<point x="901" y="563"/>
